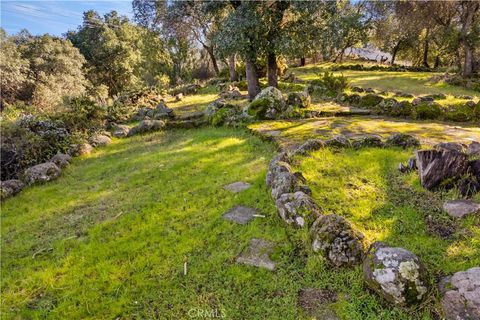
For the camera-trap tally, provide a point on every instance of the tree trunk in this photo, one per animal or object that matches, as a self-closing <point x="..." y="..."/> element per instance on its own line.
<point x="394" y="53"/>
<point x="252" y="79"/>
<point x="214" y="60"/>
<point x="469" y="10"/>
<point x="437" y="62"/>
<point x="468" y="62"/>
<point x="231" y="68"/>
<point x="302" y="61"/>
<point x="425" y="51"/>
<point x="272" y="70"/>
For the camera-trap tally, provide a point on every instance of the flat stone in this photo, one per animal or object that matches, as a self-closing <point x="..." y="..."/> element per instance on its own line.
<point x="257" y="254"/>
<point x="240" y="214"/>
<point x="460" y="208"/>
<point x="237" y="186"/>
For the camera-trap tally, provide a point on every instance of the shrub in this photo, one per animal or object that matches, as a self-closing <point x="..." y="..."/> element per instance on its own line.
<point x="427" y="110"/>
<point x="83" y="115"/>
<point x="334" y="85"/>
<point x="31" y="140"/>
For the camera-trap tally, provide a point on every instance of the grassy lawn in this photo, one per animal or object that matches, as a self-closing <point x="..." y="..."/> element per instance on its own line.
<point x="194" y="103"/>
<point x="294" y="132"/>
<point x="109" y="238"/>
<point x="416" y="83"/>
<point x="365" y="187"/>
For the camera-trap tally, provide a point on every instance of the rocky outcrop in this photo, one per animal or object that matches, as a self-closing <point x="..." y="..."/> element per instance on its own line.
<point x="61" y="159"/>
<point x="436" y="167"/>
<point x="146" y="126"/>
<point x="461" y="295"/>
<point x="268" y="104"/>
<point x="120" y="130"/>
<point x="41" y="173"/>
<point x="334" y="237"/>
<point x="297" y="209"/>
<point x="395" y="274"/>
<point x="402" y="140"/>
<point x="9" y="188"/>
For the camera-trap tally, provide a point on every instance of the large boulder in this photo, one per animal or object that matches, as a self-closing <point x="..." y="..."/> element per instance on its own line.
<point x="120" y="130"/>
<point x="268" y="104"/>
<point x="146" y="126"/>
<point x="367" y="141"/>
<point x="395" y="274"/>
<point x="461" y="295"/>
<point x="99" y="140"/>
<point x="297" y="209"/>
<point x="402" y="140"/>
<point x="41" y="173"/>
<point x="436" y="167"/>
<point x="61" y="159"/>
<point x="333" y="236"/>
<point x="299" y="99"/>
<point x="308" y="146"/>
<point x="9" y="188"/>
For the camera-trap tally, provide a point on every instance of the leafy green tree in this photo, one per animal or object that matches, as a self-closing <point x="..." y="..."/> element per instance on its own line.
<point x="119" y="54"/>
<point x="14" y="69"/>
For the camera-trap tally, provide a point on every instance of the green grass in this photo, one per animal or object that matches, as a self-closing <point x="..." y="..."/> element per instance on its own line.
<point x="109" y="238"/>
<point x="365" y="187"/>
<point x="416" y="83"/>
<point x="194" y="103"/>
<point x="294" y="132"/>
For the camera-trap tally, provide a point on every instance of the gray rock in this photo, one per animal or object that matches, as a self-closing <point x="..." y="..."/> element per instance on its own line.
<point x="333" y="236"/>
<point x="436" y="167"/>
<point x="61" y="159"/>
<point x="461" y="295"/>
<point x="412" y="164"/>
<point x="257" y="254"/>
<point x="268" y="104"/>
<point x="367" y="141"/>
<point x="339" y="141"/>
<point x="474" y="149"/>
<point x="146" y="126"/>
<point x="299" y="99"/>
<point x="240" y="214"/>
<point x="460" y="208"/>
<point x="41" y="173"/>
<point x="450" y="146"/>
<point x="120" y="131"/>
<point x="275" y="170"/>
<point x="237" y="186"/>
<point x="99" y="140"/>
<point x="402" y="140"/>
<point x="287" y="182"/>
<point x="395" y="274"/>
<point x="9" y="188"/>
<point x="84" y="148"/>
<point x="297" y="208"/>
<point x="309" y="145"/>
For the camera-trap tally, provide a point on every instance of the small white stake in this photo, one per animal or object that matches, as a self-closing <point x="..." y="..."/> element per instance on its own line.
<point x="185" y="268"/>
<point x="259" y="216"/>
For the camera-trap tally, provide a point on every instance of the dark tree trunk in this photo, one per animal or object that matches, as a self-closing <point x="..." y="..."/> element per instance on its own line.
<point x="213" y="59"/>
<point x="425" y="52"/>
<point x="252" y="79"/>
<point x="272" y="70"/>
<point x="469" y="10"/>
<point x="394" y="53"/>
<point x="468" y="61"/>
<point x="437" y="62"/>
<point x="231" y="68"/>
<point x="302" y="61"/>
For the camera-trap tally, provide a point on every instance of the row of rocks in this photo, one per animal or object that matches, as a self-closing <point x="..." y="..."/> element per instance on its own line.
<point x="394" y="273"/>
<point x="160" y="112"/>
<point x="429" y="97"/>
<point x="50" y="170"/>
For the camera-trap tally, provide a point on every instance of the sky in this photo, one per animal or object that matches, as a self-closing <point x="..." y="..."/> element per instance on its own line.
<point x="54" y="17"/>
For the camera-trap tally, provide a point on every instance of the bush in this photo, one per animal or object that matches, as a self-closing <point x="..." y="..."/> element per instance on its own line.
<point x="463" y="112"/>
<point x="83" y="115"/>
<point x="334" y="85"/>
<point x="426" y="110"/>
<point x="31" y="140"/>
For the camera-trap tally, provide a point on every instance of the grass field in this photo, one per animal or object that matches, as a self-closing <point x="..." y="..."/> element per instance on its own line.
<point x="109" y="238"/>
<point x="416" y="83"/>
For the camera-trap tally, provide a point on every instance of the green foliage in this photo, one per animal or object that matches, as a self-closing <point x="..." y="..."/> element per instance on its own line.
<point x="258" y="107"/>
<point x="370" y="100"/>
<point x="83" y="115"/>
<point x="462" y="112"/>
<point x="119" y="54"/>
<point x="219" y="117"/>
<point x="427" y="110"/>
<point x="31" y="140"/>
<point x="333" y="85"/>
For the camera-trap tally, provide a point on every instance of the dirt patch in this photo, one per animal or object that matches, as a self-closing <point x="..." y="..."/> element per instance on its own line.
<point x="316" y="301"/>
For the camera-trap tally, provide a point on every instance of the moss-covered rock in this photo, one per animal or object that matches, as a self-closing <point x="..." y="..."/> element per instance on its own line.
<point x="299" y="99"/>
<point x="366" y="141"/>
<point x="427" y="110"/>
<point x="402" y="140"/>
<point x="268" y="104"/>
<point x="370" y="100"/>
